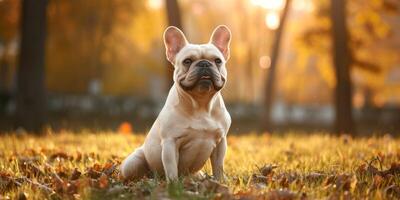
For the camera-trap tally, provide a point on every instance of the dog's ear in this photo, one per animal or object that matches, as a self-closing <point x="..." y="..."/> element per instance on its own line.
<point x="174" y="41"/>
<point x="221" y="38"/>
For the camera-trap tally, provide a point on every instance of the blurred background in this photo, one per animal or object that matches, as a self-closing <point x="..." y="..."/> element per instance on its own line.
<point x="331" y="65"/>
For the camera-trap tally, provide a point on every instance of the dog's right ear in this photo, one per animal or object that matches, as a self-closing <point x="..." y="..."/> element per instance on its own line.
<point x="174" y="41"/>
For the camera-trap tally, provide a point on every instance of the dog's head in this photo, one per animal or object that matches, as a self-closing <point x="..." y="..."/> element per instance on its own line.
<point x="198" y="68"/>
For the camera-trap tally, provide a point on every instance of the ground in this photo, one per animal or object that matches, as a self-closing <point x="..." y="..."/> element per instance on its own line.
<point x="84" y="165"/>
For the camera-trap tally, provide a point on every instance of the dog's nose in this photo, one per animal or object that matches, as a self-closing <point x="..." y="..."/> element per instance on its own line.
<point x="204" y="63"/>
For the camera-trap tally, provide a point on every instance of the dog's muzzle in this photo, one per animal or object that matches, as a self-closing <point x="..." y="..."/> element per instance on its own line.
<point x="204" y="71"/>
<point x="206" y="76"/>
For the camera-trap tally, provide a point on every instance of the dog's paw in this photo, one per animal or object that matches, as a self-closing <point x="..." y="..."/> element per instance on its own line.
<point x="199" y="175"/>
<point x="221" y="178"/>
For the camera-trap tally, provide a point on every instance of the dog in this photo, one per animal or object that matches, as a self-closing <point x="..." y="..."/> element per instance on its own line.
<point x="193" y="124"/>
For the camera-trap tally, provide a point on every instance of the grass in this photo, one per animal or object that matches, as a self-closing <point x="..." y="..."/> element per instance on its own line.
<point x="286" y="166"/>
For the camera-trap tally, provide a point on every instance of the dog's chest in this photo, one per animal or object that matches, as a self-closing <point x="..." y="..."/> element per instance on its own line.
<point x="197" y="142"/>
<point x="204" y="128"/>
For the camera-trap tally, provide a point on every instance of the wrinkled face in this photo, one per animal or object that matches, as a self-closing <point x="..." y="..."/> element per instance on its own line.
<point x="198" y="68"/>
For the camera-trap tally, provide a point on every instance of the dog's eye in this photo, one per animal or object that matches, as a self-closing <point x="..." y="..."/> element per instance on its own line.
<point x="218" y="61"/>
<point x="187" y="61"/>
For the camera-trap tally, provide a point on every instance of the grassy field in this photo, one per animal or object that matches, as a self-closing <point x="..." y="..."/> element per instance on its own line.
<point x="288" y="166"/>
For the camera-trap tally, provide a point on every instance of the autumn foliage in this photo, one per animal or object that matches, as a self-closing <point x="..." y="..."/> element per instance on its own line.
<point x="85" y="166"/>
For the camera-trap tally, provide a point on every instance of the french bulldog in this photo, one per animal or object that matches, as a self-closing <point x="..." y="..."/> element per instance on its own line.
<point x="193" y="124"/>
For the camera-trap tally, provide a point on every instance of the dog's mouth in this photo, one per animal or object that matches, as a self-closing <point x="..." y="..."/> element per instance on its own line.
<point x="206" y="77"/>
<point x="202" y="79"/>
<point x="204" y="83"/>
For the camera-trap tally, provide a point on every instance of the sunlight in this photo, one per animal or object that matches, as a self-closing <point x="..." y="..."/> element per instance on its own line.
<point x="272" y="20"/>
<point x="265" y="62"/>
<point x="154" y="4"/>
<point x="269" y="4"/>
<point x="303" y="5"/>
<point x="298" y="5"/>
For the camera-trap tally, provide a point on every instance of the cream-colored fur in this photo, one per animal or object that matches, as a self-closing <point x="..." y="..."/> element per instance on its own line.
<point x="192" y="126"/>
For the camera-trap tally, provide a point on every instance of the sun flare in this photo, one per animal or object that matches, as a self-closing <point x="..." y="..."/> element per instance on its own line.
<point x="272" y="20"/>
<point x="155" y="4"/>
<point x="269" y="4"/>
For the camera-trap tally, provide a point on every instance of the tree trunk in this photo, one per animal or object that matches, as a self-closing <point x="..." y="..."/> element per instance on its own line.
<point x="4" y="90"/>
<point x="341" y="61"/>
<point x="270" y="81"/>
<point x="174" y="19"/>
<point x="4" y="72"/>
<point x="31" y="94"/>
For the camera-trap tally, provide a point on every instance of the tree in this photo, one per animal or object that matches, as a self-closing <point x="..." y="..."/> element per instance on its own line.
<point x="174" y="19"/>
<point x="341" y="60"/>
<point x="362" y="49"/>
<point x="100" y="39"/>
<point x="31" y="94"/>
<point x="269" y="87"/>
<point x="8" y="33"/>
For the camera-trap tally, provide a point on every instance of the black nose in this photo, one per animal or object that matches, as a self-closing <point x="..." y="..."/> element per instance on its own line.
<point x="204" y="63"/>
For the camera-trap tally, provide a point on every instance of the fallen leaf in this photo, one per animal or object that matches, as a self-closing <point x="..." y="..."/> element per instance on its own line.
<point x="29" y="168"/>
<point x="392" y="191"/>
<point x="281" y="195"/>
<point x="343" y="182"/>
<point x="209" y="185"/>
<point x="284" y="182"/>
<point x="78" y="156"/>
<point x="378" y="181"/>
<point x="40" y="186"/>
<point x="255" y="178"/>
<point x="314" y="176"/>
<point x="59" y="155"/>
<point x="75" y="174"/>
<point x="125" y="128"/>
<point x="72" y="187"/>
<point x="109" y="168"/>
<point x="267" y="169"/>
<point x="93" y="173"/>
<point x="394" y="169"/>
<point x="103" y="181"/>
<point x="7" y="182"/>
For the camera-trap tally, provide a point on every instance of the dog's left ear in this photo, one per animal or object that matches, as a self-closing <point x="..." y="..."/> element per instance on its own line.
<point x="221" y="38"/>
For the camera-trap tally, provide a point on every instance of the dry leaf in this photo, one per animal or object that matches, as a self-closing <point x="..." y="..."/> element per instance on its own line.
<point x="267" y="169"/>
<point x="75" y="174"/>
<point x="59" y="155"/>
<point x="281" y="195"/>
<point x="103" y="181"/>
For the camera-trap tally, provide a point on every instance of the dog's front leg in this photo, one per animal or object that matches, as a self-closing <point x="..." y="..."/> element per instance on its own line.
<point x="170" y="159"/>
<point x="217" y="159"/>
